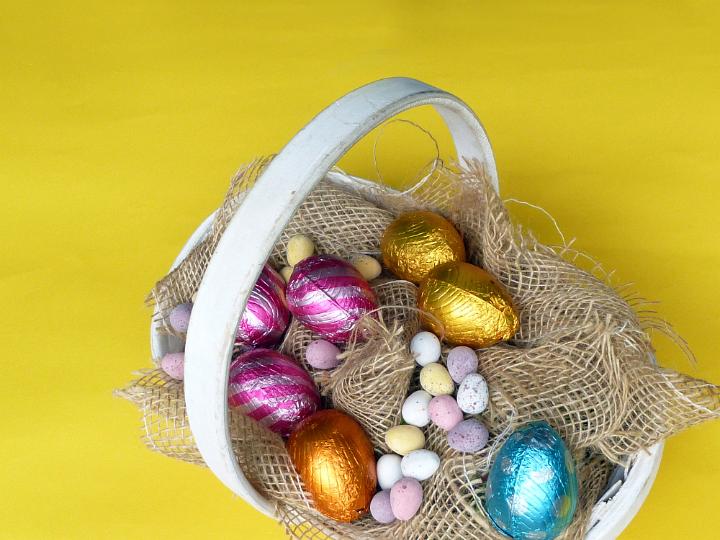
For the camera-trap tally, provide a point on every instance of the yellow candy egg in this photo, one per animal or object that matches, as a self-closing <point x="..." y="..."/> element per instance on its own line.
<point x="436" y="380"/>
<point x="467" y="305"/>
<point x="404" y="439"/>
<point x="299" y="247"/>
<point x="286" y="272"/>
<point x="417" y="242"/>
<point x="368" y="266"/>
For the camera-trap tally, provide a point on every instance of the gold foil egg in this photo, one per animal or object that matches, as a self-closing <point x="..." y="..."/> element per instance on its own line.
<point x="467" y="305"/>
<point x="417" y="242"/>
<point x="335" y="459"/>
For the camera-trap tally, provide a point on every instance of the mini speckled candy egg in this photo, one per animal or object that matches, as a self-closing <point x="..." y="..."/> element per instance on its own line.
<point x="322" y="354"/>
<point x="435" y="379"/>
<point x="380" y="507"/>
<point x="406" y="498"/>
<point x="179" y="317"/>
<point x="174" y="365"/>
<point x="420" y="464"/>
<point x="444" y="412"/>
<point x="299" y="247"/>
<point x="404" y="439"/>
<point x="461" y="361"/>
<point x="368" y="266"/>
<point x="468" y="436"/>
<point x="286" y="272"/>
<point x="425" y="348"/>
<point x="415" y="408"/>
<point x="472" y="396"/>
<point x="388" y="470"/>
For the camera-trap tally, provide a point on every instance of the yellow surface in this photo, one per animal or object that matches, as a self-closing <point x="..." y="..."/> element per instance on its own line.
<point x="121" y="123"/>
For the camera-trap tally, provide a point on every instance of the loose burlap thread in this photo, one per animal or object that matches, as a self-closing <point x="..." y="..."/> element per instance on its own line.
<point x="582" y="360"/>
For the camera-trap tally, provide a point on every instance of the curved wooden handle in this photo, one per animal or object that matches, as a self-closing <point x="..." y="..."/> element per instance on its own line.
<point x="254" y="229"/>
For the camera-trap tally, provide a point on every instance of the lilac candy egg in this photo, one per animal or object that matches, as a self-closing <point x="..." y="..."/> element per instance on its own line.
<point x="461" y="361"/>
<point x="445" y="412"/>
<point x="322" y="354"/>
<point x="179" y="317"/>
<point x="468" y="436"/>
<point x="272" y="389"/>
<point x="380" y="508"/>
<point x="329" y="296"/>
<point x="406" y="497"/>
<point x="174" y="365"/>
<point x="266" y="315"/>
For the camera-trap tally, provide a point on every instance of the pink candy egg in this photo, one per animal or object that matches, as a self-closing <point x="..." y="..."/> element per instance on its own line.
<point x="329" y="296"/>
<point x="266" y="315"/>
<point x="461" y="361"/>
<point x="380" y="507"/>
<point x="444" y="412"/>
<point x="174" y="365"/>
<point x="272" y="389"/>
<point x="406" y="497"/>
<point x="179" y="317"/>
<point x="322" y="354"/>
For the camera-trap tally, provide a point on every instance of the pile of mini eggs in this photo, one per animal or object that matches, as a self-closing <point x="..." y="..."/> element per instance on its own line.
<point x="400" y="473"/>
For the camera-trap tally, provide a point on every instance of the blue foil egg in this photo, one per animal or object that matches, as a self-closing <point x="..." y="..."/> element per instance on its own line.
<point x="532" y="488"/>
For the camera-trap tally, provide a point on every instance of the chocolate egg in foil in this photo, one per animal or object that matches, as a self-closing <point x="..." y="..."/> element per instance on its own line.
<point x="532" y="487"/>
<point x="266" y="315"/>
<point x="417" y="242"/>
<point x="335" y="459"/>
<point x="467" y="306"/>
<point x="272" y="389"/>
<point x="329" y="296"/>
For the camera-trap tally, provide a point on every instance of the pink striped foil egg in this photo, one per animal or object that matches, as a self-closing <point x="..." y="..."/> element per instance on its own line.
<point x="266" y="315"/>
<point x="329" y="296"/>
<point x="272" y="389"/>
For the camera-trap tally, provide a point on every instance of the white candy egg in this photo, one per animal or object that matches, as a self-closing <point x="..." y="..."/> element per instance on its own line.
<point x="472" y="396"/>
<point x="425" y="348"/>
<point x="420" y="464"/>
<point x="389" y="470"/>
<point x="415" y="409"/>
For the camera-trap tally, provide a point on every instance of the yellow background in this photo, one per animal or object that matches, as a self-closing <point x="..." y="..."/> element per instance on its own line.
<point x="121" y="123"/>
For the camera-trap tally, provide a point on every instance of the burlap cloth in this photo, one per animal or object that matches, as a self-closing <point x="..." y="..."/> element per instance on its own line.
<point x="581" y="360"/>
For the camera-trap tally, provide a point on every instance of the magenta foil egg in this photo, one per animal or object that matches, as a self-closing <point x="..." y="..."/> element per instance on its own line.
<point x="329" y="296"/>
<point x="272" y="389"/>
<point x="266" y="314"/>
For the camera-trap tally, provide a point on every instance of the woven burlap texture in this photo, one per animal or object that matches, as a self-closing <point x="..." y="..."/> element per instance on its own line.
<point x="581" y="360"/>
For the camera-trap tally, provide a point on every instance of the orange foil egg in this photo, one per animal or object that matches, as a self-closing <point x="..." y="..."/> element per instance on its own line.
<point x="467" y="306"/>
<point x="335" y="459"/>
<point x="417" y="242"/>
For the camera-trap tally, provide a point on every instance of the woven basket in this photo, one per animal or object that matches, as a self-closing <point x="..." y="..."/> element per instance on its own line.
<point x="258" y="222"/>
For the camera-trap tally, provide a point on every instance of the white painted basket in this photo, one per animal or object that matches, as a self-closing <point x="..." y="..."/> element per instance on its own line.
<point x="232" y="272"/>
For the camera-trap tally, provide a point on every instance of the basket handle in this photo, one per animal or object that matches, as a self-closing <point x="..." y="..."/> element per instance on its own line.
<point x="244" y="247"/>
